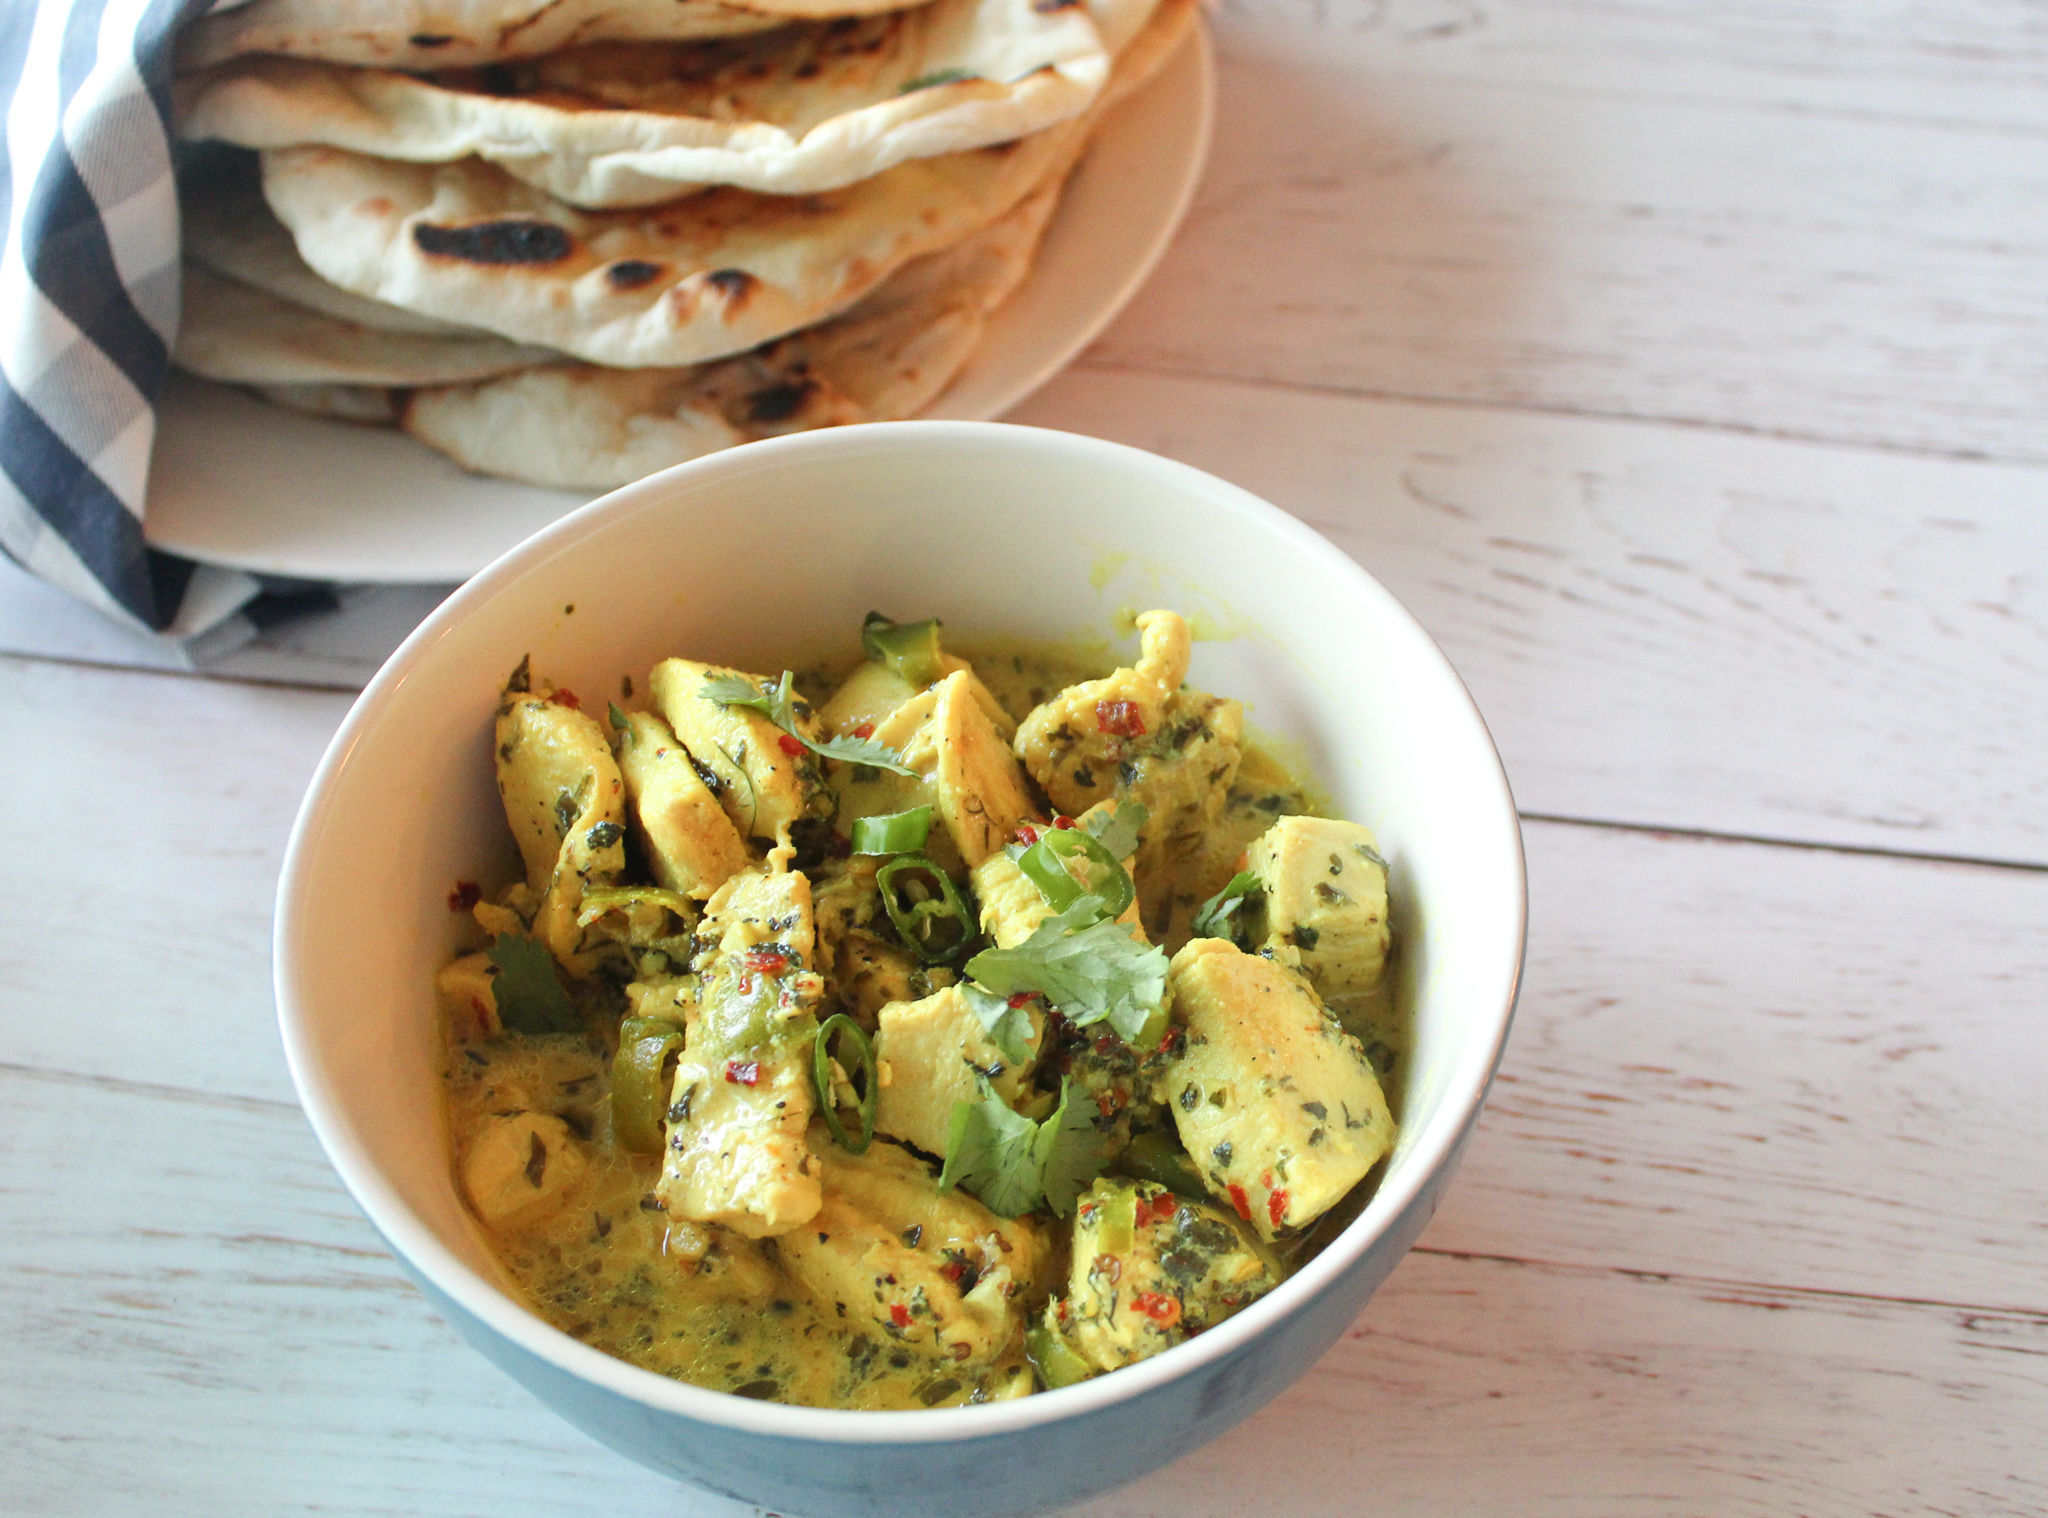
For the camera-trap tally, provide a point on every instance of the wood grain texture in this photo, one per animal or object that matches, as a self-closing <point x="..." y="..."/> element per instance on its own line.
<point x="147" y="954"/>
<point x="1406" y="201"/>
<point x="1675" y="628"/>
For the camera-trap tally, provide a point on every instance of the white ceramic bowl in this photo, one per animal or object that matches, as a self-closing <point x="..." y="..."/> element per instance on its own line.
<point x="762" y="556"/>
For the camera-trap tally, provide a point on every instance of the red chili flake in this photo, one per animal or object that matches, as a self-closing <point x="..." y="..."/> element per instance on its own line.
<point x="1025" y="834"/>
<point x="1120" y="719"/>
<point x="1064" y="824"/>
<point x="1159" y="1308"/>
<point x="768" y="958"/>
<point x="743" y="1072"/>
<point x="467" y="893"/>
<point x="1276" y="1206"/>
<point x="899" y="1315"/>
<point x="1165" y="1205"/>
<point x="566" y="698"/>
<point x="790" y="746"/>
<point x="865" y="730"/>
<point x="1021" y="998"/>
<point x="1171" y="1042"/>
<point x="1240" y="1201"/>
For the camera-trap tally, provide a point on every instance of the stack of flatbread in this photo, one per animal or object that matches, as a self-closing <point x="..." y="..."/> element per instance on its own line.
<point x="576" y="241"/>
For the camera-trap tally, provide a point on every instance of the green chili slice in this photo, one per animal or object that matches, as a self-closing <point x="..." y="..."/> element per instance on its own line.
<point x="923" y="902"/>
<point x="1056" y="1364"/>
<point x="640" y="1081"/>
<point x="1046" y="865"/>
<point x="895" y="833"/>
<point x="839" y="1025"/>
<point x="910" y="649"/>
<point x="1155" y="1157"/>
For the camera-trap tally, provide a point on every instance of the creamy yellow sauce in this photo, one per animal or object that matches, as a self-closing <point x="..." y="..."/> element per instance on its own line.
<point x="706" y="1306"/>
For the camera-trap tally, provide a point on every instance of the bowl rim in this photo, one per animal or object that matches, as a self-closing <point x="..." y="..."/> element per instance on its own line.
<point x="418" y="1246"/>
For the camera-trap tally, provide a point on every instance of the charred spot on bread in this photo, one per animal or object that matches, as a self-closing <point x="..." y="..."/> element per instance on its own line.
<point x="778" y="403"/>
<point x="632" y="273"/>
<point x="734" y="284"/>
<point x="496" y="242"/>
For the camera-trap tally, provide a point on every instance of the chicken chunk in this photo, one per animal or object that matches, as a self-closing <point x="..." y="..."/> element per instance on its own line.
<point x="871" y="972"/>
<point x="690" y="843"/>
<point x="520" y="1168"/>
<point x="1074" y="743"/>
<point x="873" y="692"/>
<point x="932" y="1053"/>
<point x="1182" y="777"/>
<point x="1325" y="889"/>
<point x="936" y="1273"/>
<point x="1012" y="906"/>
<point x="1150" y="1268"/>
<point x="565" y="801"/>
<point x="1274" y="1101"/>
<point x="736" y="1151"/>
<point x="975" y="779"/>
<point x="743" y="757"/>
<point x="468" y="997"/>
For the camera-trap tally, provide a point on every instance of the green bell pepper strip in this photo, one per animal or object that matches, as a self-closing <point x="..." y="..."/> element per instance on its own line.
<point x="893" y="833"/>
<point x="925" y="905"/>
<point x="909" y="649"/>
<point x="1056" y="1364"/>
<point x="839" y="1025"/>
<point x="640" y="1081"/>
<point x="1045" y="865"/>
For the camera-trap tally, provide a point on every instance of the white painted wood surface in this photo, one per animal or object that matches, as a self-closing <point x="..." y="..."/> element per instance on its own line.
<point x="1686" y="370"/>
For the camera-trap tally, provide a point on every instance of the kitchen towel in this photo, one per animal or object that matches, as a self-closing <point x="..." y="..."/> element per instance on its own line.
<point x="89" y="314"/>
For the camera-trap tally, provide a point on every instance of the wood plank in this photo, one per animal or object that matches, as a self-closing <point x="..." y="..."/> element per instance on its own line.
<point x="158" y="806"/>
<point x="229" y="1336"/>
<point x="1612" y="242"/>
<point x="1675" y="627"/>
<point x="1965" y="62"/>
<point x="1775" y="1065"/>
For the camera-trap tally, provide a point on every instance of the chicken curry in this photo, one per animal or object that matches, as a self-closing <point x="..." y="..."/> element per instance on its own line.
<point x="932" y="1034"/>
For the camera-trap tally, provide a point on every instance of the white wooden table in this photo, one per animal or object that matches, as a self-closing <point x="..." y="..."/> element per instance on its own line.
<point x="1685" y="368"/>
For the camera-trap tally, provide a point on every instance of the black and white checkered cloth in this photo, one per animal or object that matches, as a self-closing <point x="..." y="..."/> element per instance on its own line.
<point x="89" y="312"/>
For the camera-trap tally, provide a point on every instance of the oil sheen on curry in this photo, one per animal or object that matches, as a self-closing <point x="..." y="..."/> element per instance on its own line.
<point x="923" y="1034"/>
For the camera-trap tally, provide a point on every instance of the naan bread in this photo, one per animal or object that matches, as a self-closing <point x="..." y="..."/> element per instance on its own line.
<point x="337" y="403"/>
<point x="430" y="34"/>
<point x="884" y="360"/>
<point x="241" y="335"/>
<point x="230" y="229"/>
<point x="793" y="112"/>
<point x="683" y="283"/>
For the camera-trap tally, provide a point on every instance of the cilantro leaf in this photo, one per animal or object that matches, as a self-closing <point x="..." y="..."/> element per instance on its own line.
<point x="1070" y="1152"/>
<point x="530" y="999"/>
<point x="1015" y="1165"/>
<point x="1008" y="1027"/>
<point x="617" y="718"/>
<point x="1224" y="914"/>
<point x="1118" y="834"/>
<point x="778" y="704"/>
<point x="989" y="1150"/>
<point x="1098" y="973"/>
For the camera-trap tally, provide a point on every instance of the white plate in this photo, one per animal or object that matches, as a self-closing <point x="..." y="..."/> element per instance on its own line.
<point x="237" y="481"/>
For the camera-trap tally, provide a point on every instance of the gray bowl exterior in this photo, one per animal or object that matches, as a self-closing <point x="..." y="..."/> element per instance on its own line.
<point x="1059" y="1461"/>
